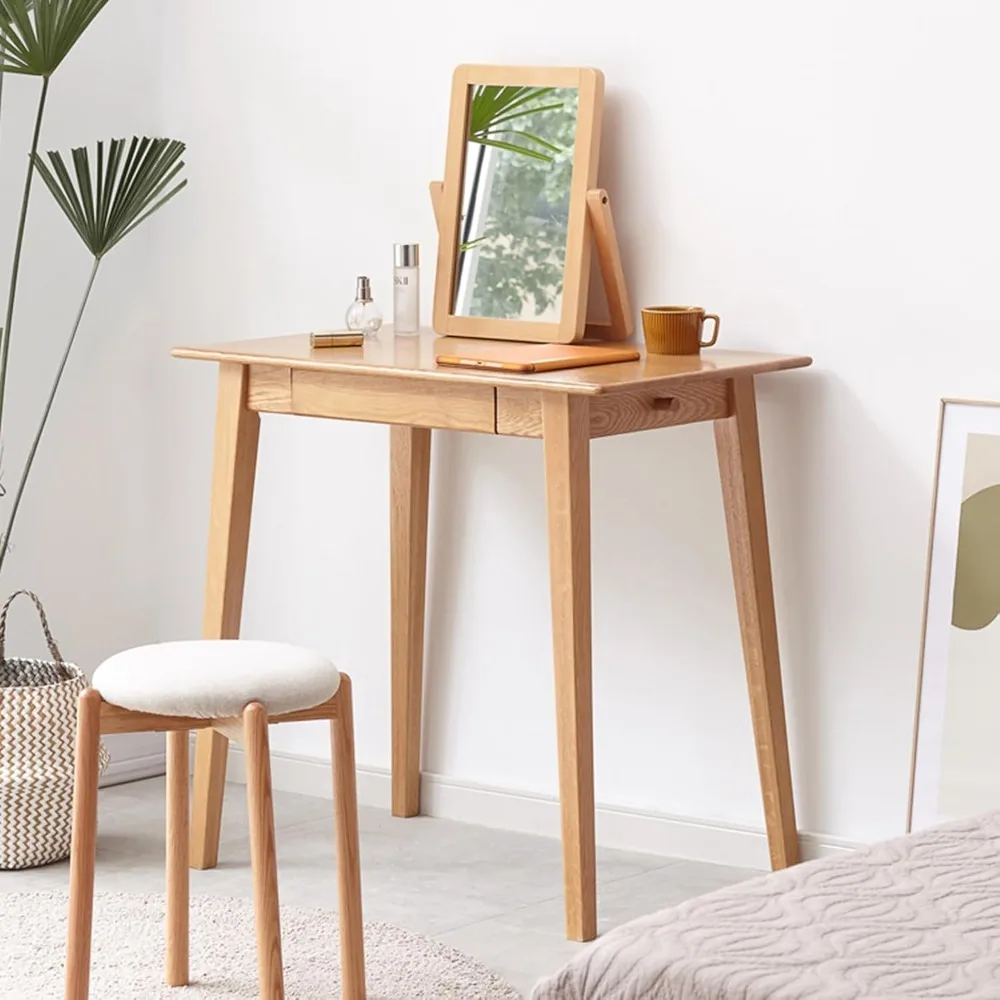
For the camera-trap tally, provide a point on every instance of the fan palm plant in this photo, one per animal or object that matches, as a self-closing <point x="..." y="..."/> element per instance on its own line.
<point x="497" y="112"/>
<point x="35" y="37"/>
<point x="104" y="201"/>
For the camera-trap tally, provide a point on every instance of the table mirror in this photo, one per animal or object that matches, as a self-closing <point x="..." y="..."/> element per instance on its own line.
<point x="514" y="250"/>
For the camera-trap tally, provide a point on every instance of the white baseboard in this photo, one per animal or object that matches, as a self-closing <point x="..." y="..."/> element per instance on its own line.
<point x="134" y="756"/>
<point x="624" y="829"/>
<point x="121" y="772"/>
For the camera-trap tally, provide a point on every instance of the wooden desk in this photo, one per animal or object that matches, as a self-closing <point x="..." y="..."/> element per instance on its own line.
<point x="395" y="382"/>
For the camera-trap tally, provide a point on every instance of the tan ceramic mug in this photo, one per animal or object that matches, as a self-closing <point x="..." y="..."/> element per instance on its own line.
<point x="677" y="329"/>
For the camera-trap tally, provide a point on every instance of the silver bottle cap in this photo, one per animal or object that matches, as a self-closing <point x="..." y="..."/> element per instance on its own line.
<point x="406" y="254"/>
<point x="364" y="290"/>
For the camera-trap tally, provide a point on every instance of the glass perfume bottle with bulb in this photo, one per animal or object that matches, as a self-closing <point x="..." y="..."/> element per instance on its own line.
<point x="363" y="314"/>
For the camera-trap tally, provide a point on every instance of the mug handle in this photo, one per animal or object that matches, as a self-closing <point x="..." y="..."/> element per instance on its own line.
<point x="715" y="333"/>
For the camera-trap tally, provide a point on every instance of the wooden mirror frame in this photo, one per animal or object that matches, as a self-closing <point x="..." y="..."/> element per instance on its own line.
<point x="586" y="154"/>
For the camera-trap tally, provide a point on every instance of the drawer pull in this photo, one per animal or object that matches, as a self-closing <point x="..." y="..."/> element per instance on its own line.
<point x="665" y="403"/>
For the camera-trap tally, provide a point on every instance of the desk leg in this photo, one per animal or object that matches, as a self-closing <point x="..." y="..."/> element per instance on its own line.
<point x="738" y="445"/>
<point x="566" y="432"/>
<point x="235" y="466"/>
<point x="410" y="471"/>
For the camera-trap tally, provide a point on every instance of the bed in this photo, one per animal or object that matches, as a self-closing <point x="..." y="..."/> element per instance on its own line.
<point x="915" y="917"/>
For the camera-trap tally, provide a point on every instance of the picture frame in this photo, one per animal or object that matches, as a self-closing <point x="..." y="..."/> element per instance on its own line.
<point x="953" y="772"/>
<point x="586" y="154"/>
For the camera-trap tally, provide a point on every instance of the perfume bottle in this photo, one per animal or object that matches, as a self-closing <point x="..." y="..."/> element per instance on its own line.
<point x="363" y="314"/>
<point x="406" y="288"/>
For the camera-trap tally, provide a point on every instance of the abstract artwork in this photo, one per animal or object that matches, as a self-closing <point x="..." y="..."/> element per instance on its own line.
<point x="956" y="758"/>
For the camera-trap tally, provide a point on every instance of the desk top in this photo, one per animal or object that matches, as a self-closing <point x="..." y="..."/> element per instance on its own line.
<point x="413" y="357"/>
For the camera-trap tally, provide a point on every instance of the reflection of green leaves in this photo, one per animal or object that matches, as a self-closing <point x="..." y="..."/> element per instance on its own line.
<point x="105" y="205"/>
<point x="495" y="108"/>
<point x="520" y="255"/>
<point x="462" y="247"/>
<point x="36" y="35"/>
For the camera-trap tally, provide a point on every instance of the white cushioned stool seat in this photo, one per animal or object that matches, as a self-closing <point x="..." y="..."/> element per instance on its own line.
<point x="216" y="678"/>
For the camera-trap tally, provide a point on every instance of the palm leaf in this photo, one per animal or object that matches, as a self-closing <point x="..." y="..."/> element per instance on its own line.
<point x="526" y="135"/>
<point x="511" y="147"/>
<point x="36" y="35"/>
<point x="104" y="205"/>
<point x="472" y="244"/>
<point x="495" y="107"/>
<point x="106" y="201"/>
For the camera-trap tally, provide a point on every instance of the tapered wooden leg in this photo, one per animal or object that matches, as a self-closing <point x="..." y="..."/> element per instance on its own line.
<point x="236" y="434"/>
<point x="84" y="851"/>
<point x="178" y="878"/>
<point x="410" y="484"/>
<point x="262" y="852"/>
<point x="566" y="431"/>
<point x="352" y="938"/>
<point x="210" y="757"/>
<point x="738" y="445"/>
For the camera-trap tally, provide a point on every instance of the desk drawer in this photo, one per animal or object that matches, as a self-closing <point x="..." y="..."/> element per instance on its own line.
<point x="519" y="411"/>
<point x="377" y="399"/>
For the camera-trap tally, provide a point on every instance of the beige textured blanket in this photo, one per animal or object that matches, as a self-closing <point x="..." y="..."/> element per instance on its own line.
<point x="913" y="917"/>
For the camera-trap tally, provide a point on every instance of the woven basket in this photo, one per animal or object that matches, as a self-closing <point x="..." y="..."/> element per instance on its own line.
<point x="38" y="702"/>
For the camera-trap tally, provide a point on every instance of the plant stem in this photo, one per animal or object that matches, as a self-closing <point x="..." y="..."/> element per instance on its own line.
<point x="3" y="75"/>
<point x="5" y="538"/>
<point x="16" y="267"/>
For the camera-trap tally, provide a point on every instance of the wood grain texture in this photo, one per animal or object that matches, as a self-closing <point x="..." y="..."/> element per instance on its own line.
<point x="519" y="412"/>
<point x="123" y="720"/>
<point x="345" y="795"/>
<point x="178" y="879"/>
<point x="567" y="482"/>
<point x="437" y="201"/>
<point x="84" y="850"/>
<point x="237" y="430"/>
<point x="410" y="466"/>
<point x="609" y="258"/>
<point x="388" y="401"/>
<point x="652" y="372"/>
<point x="738" y="445"/>
<point x="262" y="852"/>
<point x="269" y="389"/>
<point x="211" y="750"/>
<point x="589" y="84"/>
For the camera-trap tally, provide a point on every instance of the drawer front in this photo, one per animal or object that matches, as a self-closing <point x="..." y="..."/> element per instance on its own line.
<point x="388" y="400"/>
<point x="519" y="411"/>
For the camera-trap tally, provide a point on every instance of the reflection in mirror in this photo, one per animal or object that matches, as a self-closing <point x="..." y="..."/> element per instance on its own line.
<point x="518" y="172"/>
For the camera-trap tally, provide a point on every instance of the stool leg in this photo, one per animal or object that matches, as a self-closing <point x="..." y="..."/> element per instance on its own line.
<point x="265" y="871"/>
<point x="352" y="940"/>
<point x="84" y="850"/>
<point x="178" y="884"/>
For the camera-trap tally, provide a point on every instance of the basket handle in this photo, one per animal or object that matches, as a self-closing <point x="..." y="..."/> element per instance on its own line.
<point x="53" y="648"/>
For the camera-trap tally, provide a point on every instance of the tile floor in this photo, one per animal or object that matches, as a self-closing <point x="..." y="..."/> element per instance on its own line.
<point x="489" y="893"/>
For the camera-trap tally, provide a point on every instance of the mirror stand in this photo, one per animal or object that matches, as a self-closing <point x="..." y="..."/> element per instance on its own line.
<point x="602" y="228"/>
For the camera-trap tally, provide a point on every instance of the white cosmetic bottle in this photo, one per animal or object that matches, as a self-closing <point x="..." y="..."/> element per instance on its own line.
<point x="406" y="289"/>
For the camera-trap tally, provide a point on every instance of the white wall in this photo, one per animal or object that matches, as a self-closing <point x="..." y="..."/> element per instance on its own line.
<point x="824" y="176"/>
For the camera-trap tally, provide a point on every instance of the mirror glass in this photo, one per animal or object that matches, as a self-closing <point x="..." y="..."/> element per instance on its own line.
<point x="517" y="176"/>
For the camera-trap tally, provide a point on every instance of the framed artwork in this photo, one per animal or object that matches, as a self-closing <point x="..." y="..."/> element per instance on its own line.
<point x="956" y="749"/>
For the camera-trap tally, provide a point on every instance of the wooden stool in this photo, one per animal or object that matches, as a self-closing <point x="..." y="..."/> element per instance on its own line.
<point x="238" y="687"/>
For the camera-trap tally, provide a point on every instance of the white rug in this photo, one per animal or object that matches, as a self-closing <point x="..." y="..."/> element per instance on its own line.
<point x="128" y="954"/>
